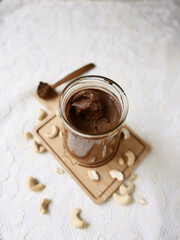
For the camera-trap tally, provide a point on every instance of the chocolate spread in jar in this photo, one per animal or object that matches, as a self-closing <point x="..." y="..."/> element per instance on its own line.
<point x="93" y="111"/>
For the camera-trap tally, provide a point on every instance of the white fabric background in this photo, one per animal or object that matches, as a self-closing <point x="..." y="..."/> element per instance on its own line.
<point x="135" y="44"/>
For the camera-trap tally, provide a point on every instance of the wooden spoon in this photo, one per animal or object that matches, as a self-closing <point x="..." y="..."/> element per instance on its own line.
<point x="47" y="91"/>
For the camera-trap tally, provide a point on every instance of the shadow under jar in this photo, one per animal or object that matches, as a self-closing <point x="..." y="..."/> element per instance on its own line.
<point x="93" y="110"/>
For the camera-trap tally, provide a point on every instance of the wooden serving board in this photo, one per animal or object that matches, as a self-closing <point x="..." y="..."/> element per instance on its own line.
<point x="98" y="191"/>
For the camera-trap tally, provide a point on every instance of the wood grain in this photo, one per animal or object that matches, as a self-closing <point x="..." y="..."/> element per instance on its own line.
<point x="101" y="190"/>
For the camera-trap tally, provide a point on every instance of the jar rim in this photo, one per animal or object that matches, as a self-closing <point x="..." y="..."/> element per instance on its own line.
<point x="101" y="134"/>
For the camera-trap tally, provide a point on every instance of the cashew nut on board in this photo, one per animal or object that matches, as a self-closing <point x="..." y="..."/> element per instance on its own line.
<point x="121" y="161"/>
<point x="125" y="133"/>
<point x="53" y="133"/>
<point x="130" y="158"/>
<point x="93" y="175"/>
<point x="117" y="174"/>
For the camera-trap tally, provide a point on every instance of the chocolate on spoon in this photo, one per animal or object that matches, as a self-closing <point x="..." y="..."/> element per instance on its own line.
<point x="47" y="91"/>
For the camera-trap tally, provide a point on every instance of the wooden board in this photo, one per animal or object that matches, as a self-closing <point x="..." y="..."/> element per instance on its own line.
<point x="50" y="104"/>
<point x="98" y="191"/>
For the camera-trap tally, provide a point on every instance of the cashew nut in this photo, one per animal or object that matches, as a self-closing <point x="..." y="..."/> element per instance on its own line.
<point x="42" y="149"/>
<point x="28" y="135"/>
<point x="125" y="133"/>
<point x="122" y="200"/>
<point x="132" y="177"/>
<point x="59" y="170"/>
<point x="36" y="147"/>
<point x="75" y="220"/>
<point x="33" y="185"/>
<point x="131" y="158"/>
<point x="121" y="161"/>
<point x="142" y="201"/>
<point x="126" y="190"/>
<point x="117" y="174"/>
<point x="43" y="205"/>
<point x="93" y="175"/>
<point x="41" y="114"/>
<point x="54" y="132"/>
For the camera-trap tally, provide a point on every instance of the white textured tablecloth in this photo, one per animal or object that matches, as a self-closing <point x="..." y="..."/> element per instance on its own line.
<point x="135" y="44"/>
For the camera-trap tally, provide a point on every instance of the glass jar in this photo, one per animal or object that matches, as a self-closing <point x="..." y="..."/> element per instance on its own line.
<point x="92" y="149"/>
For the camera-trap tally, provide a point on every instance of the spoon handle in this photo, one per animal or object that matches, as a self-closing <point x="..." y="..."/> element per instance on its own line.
<point x="74" y="74"/>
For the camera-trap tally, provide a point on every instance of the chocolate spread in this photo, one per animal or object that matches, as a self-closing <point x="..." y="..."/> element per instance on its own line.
<point x="45" y="91"/>
<point x="93" y="111"/>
